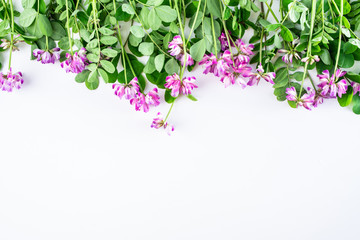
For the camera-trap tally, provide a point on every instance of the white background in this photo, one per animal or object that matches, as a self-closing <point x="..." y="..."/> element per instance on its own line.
<point x="79" y="164"/>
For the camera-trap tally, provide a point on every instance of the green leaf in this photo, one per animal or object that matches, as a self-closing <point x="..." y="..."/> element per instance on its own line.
<point x="172" y="66"/>
<point x="192" y="98"/>
<point x="197" y="51"/>
<point x="159" y="62"/>
<point x="286" y="34"/>
<point x="356" y="104"/>
<point x="353" y="77"/>
<point x="103" y="75"/>
<point x="166" y="13"/>
<point x="137" y="31"/>
<point x="27" y="17"/>
<point x="92" y="82"/>
<point x="346" y="98"/>
<point x="128" y="9"/>
<point x="214" y="8"/>
<point x="58" y="31"/>
<point x="28" y="3"/>
<point x="81" y="77"/>
<point x="325" y="57"/>
<point x="154" y="2"/>
<point x="153" y="20"/>
<point x="106" y="31"/>
<point x="108" y="40"/>
<point x="44" y="25"/>
<point x="109" y="52"/>
<point x="146" y="48"/>
<point x="108" y="66"/>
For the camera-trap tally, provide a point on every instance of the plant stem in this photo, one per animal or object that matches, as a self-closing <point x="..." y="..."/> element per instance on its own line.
<point x="313" y="11"/>
<point x="272" y="12"/>
<point x="121" y="45"/>
<point x="68" y="27"/>
<point x="96" y="27"/>
<point x="12" y="32"/>
<point x="183" y="38"/>
<point x="171" y="107"/>
<point x="193" y="25"/>
<point x="340" y="34"/>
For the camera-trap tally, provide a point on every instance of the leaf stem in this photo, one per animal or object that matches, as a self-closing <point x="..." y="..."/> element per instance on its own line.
<point x="68" y="26"/>
<point x="12" y="32"/>
<point x="340" y="34"/>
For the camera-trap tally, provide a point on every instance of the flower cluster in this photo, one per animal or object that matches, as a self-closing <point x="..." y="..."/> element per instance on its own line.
<point x="10" y="81"/>
<point x="131" y="91"/>
<point x="180" y="87"/>
<point x="329" y="87"/>
<point x="159" y="122"/>
<point x="176" y="47"/>
<point x="5" y="44"/>
<point x="48" y="56"/>
<point x="235" y="68"/>
<point x="75" y="63"/>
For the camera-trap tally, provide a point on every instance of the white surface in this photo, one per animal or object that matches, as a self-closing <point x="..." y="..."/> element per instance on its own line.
<point x="79" y="164"/>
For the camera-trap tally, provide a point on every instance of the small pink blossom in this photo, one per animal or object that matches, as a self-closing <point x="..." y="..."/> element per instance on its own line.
<point x="50" y="56"/>
<point x="180" y="87"/>
<point x="11" y="81"/>
<point x="129" y="90"/>
<point x="260" y="74"/>
<point x="306" y="101"/>
<point x="158" y="122"/>
<point x="332" y="86"/>
<point x="75" y="63"/>
<point x="356" y="87"/>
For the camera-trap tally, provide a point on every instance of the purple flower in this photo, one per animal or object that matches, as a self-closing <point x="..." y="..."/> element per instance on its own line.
<point x="10" y="81"/>
<point x="332" y="86"/>
<point x="177" y="86"/>
<point x="6" y="43"/>
<point x="255" y="77"/>
<point x="177" y="50"/>
<point x="244" y="48"/>
<point x="311" y="60"/>
<point x="129" y="91"/>
<point x="306" y="101"/>
<point x="224" y="42"/>
<point x="75" y="63"/>
<point x="153" y="98"/>
<point x="176" y="46"/>
<point x="159" y="122"/>
<point x="50" y="56"/>
<point x="210" y="63"/>
<point x="356" y="87"/>
<point x="292" y="53"/>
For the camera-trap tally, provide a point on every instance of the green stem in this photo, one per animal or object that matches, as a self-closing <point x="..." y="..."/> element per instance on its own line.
<point x="96" y="27"/>
<point x="195" y="20"/>
<point x="68" y="27"/>
<point x="121" y="45"/>
<point x="272" y="12"/>
<point x="183" y="38"/>
<point x="12" y="32"/>
<point x="213" y="33"/>
<point x="313" y="11"/>
<point x="171" y="107"/>
<point x="288" y="12"/>
<point x="340" y="34"/>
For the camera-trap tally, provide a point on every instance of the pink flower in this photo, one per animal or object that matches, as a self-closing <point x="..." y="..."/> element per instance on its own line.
<point x="129" y="91"/>
<point x="159" y="122"/>
<point x="255" y="77"/>
<point x="50" y="56"/>
<point x="332" y="86"/>
<point x="75" y="63"/>
<point x="10" y="81"/>
<point x="243" y="48"/>
<point x="306" y="101"/>
<point x="311" y="60"/>
<point x="177" y="86"/>
<point x="176" y="46"/>
<point x="143" y="102"/>
<point x="177" y="50"/>
<point x="356" y="87"/>
<point x="210" y="63"/>
<point x="224" y="42"/>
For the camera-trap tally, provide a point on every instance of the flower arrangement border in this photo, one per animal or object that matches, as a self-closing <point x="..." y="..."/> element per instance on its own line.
<point x="87" y="38"/>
